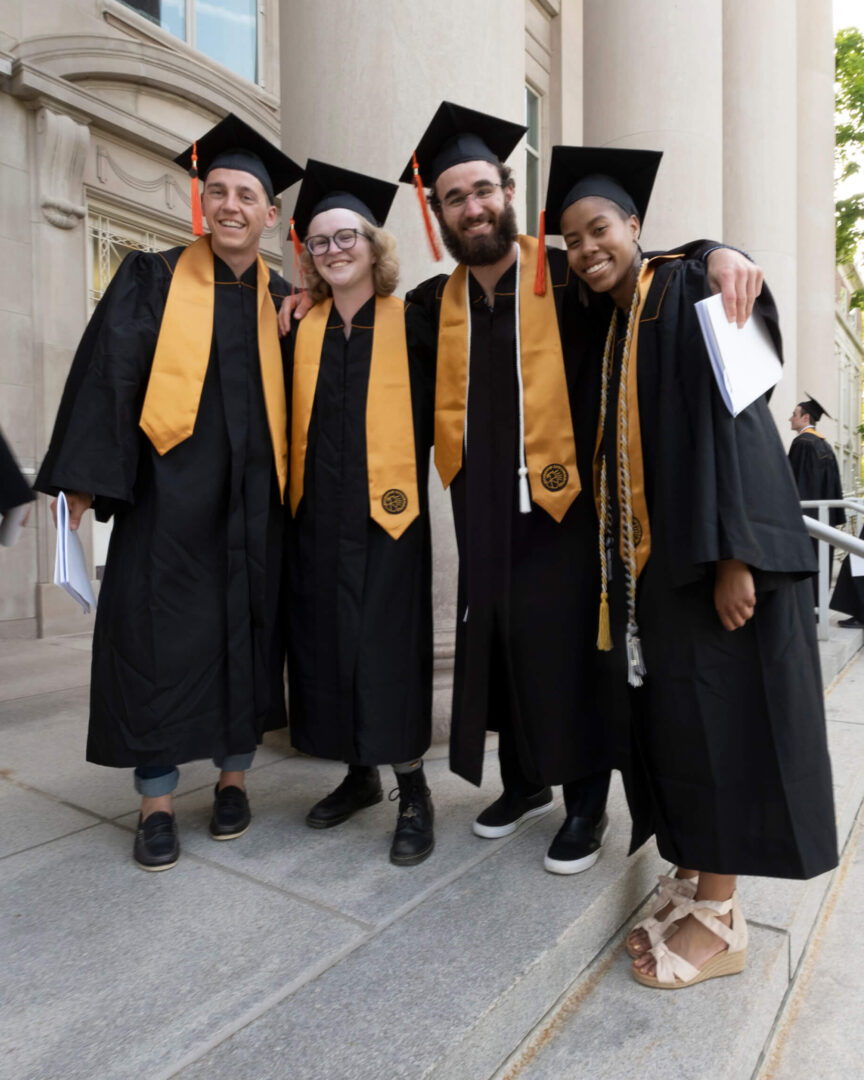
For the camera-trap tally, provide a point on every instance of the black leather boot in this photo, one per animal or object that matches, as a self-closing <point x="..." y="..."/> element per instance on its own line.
<point x="361" y="787"/>
<point x="414" y="839"/>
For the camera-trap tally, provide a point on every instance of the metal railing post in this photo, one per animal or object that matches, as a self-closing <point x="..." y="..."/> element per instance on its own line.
<point x="824" y="578"/>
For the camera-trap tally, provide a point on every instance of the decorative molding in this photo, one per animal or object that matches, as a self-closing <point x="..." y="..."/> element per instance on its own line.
<point x="62" y="145"/>
<point x="168" y="184"/>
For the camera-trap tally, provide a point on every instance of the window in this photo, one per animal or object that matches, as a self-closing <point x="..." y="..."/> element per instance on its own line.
<point x="224" y="30"/>
<point x="532" y="163"/>
<point x="111" y="241"/>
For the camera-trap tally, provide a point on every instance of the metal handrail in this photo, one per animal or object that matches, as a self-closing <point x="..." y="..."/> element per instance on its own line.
<point x="834" y="536"/>
<point x="848" y="504"/>
<point x="829" y="536"/>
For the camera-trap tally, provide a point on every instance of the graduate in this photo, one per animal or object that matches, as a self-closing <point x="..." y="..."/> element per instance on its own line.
<point x="711" y="670"/>
<point x="815" y="468"/>
<point x="359" y="603"/>
<point x="848" y="595"/>
<point x="173" y="423"/>
<point x="813" y="461"/>
<point x="515" y="415"/>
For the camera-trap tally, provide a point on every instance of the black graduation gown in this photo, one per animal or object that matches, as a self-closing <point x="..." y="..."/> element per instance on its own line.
<point x="524" y="647"/>
<point x="186" y="659"/>
<point x="14" y="489"/>
<point x="848" y="595"/>
<point x="359" y="603"/>
<point x="817" y="473"/>
<point x="723" y="748"/>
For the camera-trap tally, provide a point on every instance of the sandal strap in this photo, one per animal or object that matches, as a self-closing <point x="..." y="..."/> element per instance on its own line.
<point x="671" y="890"/>
<point x="668" y="965"/>
<point x="706" y="911"/>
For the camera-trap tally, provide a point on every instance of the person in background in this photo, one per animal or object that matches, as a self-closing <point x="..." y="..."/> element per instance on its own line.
<point x="815" y="468"/>
<point x="173" y="421"/>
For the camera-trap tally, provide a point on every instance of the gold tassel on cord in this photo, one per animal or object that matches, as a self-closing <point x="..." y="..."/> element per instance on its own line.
<point x="604" y="634"/>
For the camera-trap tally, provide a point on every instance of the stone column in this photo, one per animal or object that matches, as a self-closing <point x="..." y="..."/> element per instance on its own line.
<point x="760" y="157"/>
<point x="653" y="80"/>
<point x="817" y="373"/>
<point x="60" y="146"/>
<point x="18" y="563"/>
<point x="358" y="92"/>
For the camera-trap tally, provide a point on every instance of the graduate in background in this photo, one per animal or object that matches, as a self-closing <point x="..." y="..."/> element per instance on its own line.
<point x="815" y="468"/>
<point x="359" y="606"/>
<point x="173" y="421"/>
<point x="704" y="608"/>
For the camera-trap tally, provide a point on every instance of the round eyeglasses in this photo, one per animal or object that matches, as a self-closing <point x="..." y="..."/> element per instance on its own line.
<point x="344" y="239"/>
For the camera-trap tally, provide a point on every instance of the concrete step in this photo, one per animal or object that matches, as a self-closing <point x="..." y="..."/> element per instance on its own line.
<point x="293" y="953"/>
<point x="608" y="1026"/>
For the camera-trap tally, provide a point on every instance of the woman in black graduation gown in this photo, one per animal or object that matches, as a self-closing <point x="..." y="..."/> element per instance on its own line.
<point x="705" y="610"/>
<point x="359" y="555"/>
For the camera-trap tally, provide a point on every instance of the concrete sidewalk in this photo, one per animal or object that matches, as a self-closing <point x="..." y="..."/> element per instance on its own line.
<point x="305" y="955"/>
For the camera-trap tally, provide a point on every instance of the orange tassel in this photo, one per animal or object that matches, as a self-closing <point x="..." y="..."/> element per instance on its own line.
<point x="298" y="248"/>
<point x="424" y="209"/>
<point x="195" y="195"/>
<point x="540" y="277"/>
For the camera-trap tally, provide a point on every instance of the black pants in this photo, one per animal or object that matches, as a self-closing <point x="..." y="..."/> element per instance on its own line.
<point x="585" y="797"/>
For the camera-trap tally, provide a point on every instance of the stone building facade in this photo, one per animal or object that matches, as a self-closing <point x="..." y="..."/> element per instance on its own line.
<point x="96" y="96"/>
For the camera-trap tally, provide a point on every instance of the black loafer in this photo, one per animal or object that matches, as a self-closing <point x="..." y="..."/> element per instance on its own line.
<point x="577" y="845"/>
<point x="231" y="814"/>
<point x="156" y="844"/>
<point x="509" y="811"/>
<point x="360" y="788"/>
<point x="851" y="624"/>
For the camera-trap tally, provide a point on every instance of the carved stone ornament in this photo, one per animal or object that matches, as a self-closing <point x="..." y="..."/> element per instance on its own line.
<point x="61" y="156"/>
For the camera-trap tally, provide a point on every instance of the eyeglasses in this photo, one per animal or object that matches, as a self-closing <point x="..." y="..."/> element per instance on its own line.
<point x="482" y="193"/>
<point x="344" y="239"/>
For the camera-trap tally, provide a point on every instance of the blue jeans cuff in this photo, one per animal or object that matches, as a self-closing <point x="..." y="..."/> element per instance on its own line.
<point x="151" y="787"/>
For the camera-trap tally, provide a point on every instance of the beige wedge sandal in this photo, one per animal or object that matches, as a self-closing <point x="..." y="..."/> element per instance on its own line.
<point x="671" y="890"/>
<point x="673" y="972"/>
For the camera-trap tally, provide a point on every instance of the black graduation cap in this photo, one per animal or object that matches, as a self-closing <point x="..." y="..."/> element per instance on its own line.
<point x="813" y="409"/>
<point x="233" y="144"/>
<point x="456" y="135"/>
<point x="576" y="172"/>
<point x="328" y="187"/>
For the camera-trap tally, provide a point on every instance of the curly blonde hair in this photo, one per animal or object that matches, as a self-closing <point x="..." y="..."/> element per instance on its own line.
<point x="385" y="270"/>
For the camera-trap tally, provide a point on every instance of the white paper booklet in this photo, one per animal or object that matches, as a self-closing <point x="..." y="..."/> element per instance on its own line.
<point x="745" y="361"/>
<point x="70" y="566"/>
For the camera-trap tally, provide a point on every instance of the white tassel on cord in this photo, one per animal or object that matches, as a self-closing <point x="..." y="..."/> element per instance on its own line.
<point x="524" y="488"/>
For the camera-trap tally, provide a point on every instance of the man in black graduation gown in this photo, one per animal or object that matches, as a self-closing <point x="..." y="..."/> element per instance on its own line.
<point x="528" y="579"/>
<point x="173" y="420"/>
<point x="815" y="468"/>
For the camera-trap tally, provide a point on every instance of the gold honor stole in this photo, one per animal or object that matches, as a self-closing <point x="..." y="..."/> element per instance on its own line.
<point x="390" y="455"/>
<point x="183" y="353"/>
<point x="630" y="404"/>
<point x="813" y="431"/>
<point x="550" y="450"/>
